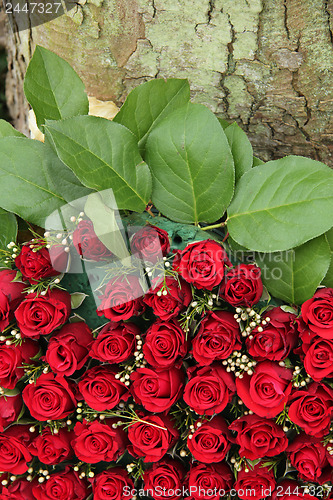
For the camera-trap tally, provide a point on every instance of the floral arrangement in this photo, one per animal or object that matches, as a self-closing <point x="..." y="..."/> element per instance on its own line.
<point x="166" y="305"/>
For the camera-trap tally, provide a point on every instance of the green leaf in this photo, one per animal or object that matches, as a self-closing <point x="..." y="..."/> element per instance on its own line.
<point x="33" y="180"/>
<point x="241" y="149"/>
<point x="11" y="392"/>
<point x="6" y="130"/>
<point x="53" y="88"/>
<point x="328" y="280"/>
<point x="8" y="233"/>
<point x="294" y="275"/>
<point x="192" y="166"/>
<point x="105" y="223"/>
<point x="77" y="299"/>
<point x="257" y="161"/>
<point x="149" y="103"/>
<point x="282" y="204"/>
<point x="224" y="124"/>
<point x="103" y="155"/>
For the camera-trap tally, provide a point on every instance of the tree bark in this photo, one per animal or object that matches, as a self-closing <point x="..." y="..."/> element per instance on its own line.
<point x="265" y="63"/>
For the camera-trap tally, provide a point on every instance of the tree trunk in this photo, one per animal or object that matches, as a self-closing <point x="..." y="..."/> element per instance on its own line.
<point x="265" y="63"/>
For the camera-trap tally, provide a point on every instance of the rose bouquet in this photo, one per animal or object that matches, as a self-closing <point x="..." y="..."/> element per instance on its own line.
<point x="164" y="333"/>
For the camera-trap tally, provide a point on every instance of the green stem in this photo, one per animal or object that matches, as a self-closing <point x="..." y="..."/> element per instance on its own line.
<point x="214" y="226"/>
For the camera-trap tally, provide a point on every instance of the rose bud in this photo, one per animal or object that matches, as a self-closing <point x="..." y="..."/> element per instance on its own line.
<point x="12" y="359"/>
<point x="11" y="295"/>
<point x="258" y="437"/>
<point x="165" y="345"/>
<point x="318" y="361"/>
<point x="10" y="408"/>
<point x="259" y="480"/>
<point x="217" y="337"/>
<point x="211" y="441"/>
<point x="308" y="455"/>
<point x="115" y="342"/>
<point x="65" y="485"/>
<point x="164" y="479"/>
<point x="52" y="448"/>
<point x="275" y="340"/>
<point x="98" y="442"/>
<point x="87" y="243"/>
<point x="209" y="482"/>
<point x="266" y="391"/>
<point x="41" y="314"/>
<point x="38" y="264"/>
<point x="122" y="299"/>
<point x="112" y="484"/>
<point x="209" y="389"/>
<point x="311" y="409"/>
<point x="317" y="313"/>
<point x="152" y="437"/>
<point x="50" y="398"/>
<point x="14" y="453"/>
<point x="168" y="298"/>
<point x="202" y="264"/>
<point x="242" y="286"/>
<point x="68" y="349"/>
<point x="150" y="243"/>
<point x="155" y="390"/>
<point x="101" y="390"/>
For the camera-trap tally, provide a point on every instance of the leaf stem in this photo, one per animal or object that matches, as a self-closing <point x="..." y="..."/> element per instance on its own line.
<point x="214" y="226"/>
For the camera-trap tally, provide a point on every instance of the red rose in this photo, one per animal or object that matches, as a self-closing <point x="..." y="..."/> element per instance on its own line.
<point x="14" y="453"/>
<point x="211" y="441"/>
<point x="12" y="359"/>
<point x="34" y="261"/>
<point x="150" y="243"/>
<point x="112" y="484"/>
<point x="152" y="437"/>
<point x="168" y="298"/>
<point x="258" y="437"/>
<point x="217" y="337"/>
<point x="242" y="286"/>
<point x="290" y="490"/>
<point x="115" y="342"/>
<point x="11" y="294"/>
<point x="122" y="299"/>
<point x="50" y="398"/>
<point x="165" y="344"/>
<point x="20" y="489"/>
<point x="164" y="480"/>
<point x="202" y="264"/>
<point x="257" y="483"/>
<point x="209" y="482"/>
<point x="318" y="361"/>
<point x="308" y="456"/>
<point x="97" y="442"/>
<point x="209" y="389"/>
<point x="51" y="448"/>
<point x="267" y="390"/>
<point x="87" y="244"/>
<point x="155" y="390"/>
<point x="311" y="409"/>
<point x="101" y="390"/>
<point x="68" y="349"/>
<point x="41" y="314"/>
<point x="275" y="340"/>
<point x="317" y="313"/>
<point x="65" y="485"/>
<point x="10" y="408"/>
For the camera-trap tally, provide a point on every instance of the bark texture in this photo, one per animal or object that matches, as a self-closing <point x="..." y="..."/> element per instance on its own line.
<point x="265" y="63"/>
